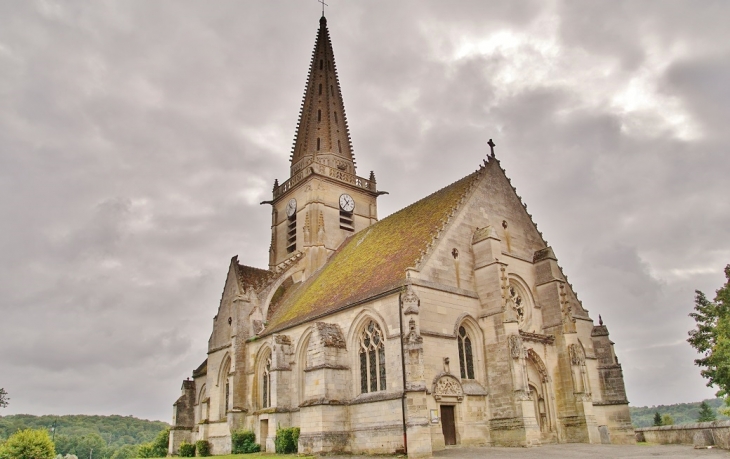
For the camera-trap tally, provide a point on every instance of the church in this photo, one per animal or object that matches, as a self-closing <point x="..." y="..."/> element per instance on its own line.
<point x="449" y="322"/>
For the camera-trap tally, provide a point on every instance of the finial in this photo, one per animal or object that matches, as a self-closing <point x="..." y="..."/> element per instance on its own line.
<point x="491" y="146"/>
<point x="600" y="320"/>
<point x="372" y="176"/>
<point x="276" y="184"/>
<point x="323" y="5"/>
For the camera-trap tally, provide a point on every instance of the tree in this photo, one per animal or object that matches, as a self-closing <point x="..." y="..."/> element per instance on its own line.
<point x="667" y="420"/>
<point x="4" y="399"/>
<point x="707" y="414"/>
<point x="711" y="338"/>
<point x="657" y="419"/>
<point x="28" y="444"/>
<point x="157" y="448"/>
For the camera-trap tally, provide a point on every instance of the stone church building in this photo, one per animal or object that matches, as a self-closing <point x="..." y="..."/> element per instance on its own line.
<point x="449" y="322"/>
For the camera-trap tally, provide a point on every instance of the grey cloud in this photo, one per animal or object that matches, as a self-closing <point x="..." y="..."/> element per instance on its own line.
<point x="137" y="138"/>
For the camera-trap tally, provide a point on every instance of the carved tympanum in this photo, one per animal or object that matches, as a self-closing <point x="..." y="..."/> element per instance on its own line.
<point x="448" y="386"/>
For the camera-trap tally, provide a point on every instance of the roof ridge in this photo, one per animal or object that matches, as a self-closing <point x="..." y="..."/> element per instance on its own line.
<point x="449" y="218"/>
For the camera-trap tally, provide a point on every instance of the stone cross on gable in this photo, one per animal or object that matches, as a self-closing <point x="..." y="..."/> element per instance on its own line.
<point x="491" y="146"/>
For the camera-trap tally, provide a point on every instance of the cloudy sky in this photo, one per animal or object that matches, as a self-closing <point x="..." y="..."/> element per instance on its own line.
<point x="138" y="137"/>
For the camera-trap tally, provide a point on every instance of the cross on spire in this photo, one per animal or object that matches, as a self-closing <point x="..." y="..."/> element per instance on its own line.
<point x="323" y="5"/>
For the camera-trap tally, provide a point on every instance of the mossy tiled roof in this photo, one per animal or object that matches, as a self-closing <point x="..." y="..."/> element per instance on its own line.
<point x="371" y="261"/>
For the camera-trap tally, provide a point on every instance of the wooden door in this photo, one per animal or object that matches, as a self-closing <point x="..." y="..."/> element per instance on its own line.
<point x="448" y="426"/>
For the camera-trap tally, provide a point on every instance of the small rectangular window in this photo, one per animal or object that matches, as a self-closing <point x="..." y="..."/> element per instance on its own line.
<point x="320" y="88"/>
<point x="319" y="115"/>
<point x="317" y="143"/>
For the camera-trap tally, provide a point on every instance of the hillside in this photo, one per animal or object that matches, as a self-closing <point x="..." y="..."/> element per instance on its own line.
<point x="82" y="435"/>
<point x="682" y="413"/>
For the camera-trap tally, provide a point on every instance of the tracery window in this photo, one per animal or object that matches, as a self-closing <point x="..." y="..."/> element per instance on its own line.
<point x="466" y="356"/>
<point x="372" y="359"/>
<point x="266" y="384"/>
<point x="518" y="304"/>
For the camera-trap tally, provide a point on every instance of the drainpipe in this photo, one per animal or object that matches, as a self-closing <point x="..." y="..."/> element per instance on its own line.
<point x="403" y="370"/>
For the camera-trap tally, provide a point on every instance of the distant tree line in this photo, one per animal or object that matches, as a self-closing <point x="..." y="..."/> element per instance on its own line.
<point x="679" y="413"/>
<point x="95" y="437"/>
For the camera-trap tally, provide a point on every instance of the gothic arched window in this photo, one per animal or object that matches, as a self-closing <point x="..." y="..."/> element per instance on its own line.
<point x="266" y="384"/>
<point x="372" y="359"/>
<point x="466" y="357"/>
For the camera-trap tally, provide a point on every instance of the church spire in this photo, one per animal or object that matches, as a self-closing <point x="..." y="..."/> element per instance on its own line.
<point x="322" y="133"/>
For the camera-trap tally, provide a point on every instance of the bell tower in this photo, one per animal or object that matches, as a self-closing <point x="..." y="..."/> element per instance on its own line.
<point x="324" y="201"/>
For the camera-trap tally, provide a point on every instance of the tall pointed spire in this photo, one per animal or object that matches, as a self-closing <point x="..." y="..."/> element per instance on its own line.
<point x="322" y="132"/>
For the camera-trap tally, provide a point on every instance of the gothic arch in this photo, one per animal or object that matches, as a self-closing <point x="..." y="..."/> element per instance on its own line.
<point x="275" y="285"/>
<point x="262" y="356"/>
<point x="539" y="365"/>
<point x="224" y="369"/>
<point x="541" y="392"/>
<point x="359" y="322"/>
<point x="523" y="292"/>
<point x="202" y="403"/>
<point x="223" y="383"/>
<point x="474" y="333"/>
<point x="301" y="363"/>
<point x="355" y="335"/>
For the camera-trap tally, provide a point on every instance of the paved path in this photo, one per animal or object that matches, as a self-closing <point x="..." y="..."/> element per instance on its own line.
<point x="569" y="451"/>
<point x="582" y="451"/>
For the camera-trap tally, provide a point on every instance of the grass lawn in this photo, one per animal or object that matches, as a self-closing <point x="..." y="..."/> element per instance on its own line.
<point x="259" y="455"/>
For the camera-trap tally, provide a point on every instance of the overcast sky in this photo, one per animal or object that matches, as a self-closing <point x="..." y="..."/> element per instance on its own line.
<point x="138" y="137"/>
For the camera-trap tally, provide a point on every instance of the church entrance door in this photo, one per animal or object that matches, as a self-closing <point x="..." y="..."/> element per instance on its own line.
<point x="448" y="426"/>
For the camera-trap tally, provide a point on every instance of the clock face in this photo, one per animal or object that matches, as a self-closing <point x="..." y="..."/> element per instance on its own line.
<point x="347" y="203"/>
<point x="291" y="207"/>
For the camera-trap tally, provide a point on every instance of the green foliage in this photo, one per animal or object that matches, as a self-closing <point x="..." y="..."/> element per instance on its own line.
<point x="116" y="431"/>
<point x="286" y="441"/>
<point x="657" y="419"/>
<point x="244" y="442"/>
<point x="707" y="414"/>
<point x="156" y="448"/>
<point x="125" y="452"/>
<point x="711" y="338"/>
<point x="28" y="444"/>
<point x="4" y="399"/>
<point x="683" y="413"/>
<point x="186" y="449"/>
<point x="202" y="447"/>
<point x="667" y="420"/>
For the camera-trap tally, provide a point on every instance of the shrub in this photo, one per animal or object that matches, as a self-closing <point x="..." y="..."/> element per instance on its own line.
<point x="157" y="447"/>
<point x="244" y="442"/>
<point x="202" y="447"/>
<point x="28" y="444"/>
<point x="286" y="441"/>
<point x="187" y="449"/>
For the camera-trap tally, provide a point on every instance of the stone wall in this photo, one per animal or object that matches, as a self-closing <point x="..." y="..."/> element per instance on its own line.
<point x="716" y="433"/>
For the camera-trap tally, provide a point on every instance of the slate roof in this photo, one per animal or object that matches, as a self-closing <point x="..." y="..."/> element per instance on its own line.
<point x="370" y="262"/>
